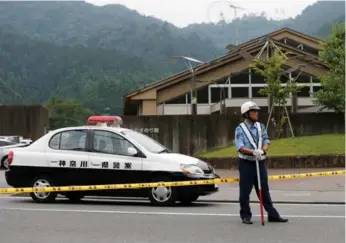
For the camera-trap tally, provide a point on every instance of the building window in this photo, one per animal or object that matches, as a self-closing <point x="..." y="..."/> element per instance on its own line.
<point x="202" y="95"/>
<point x="315" y="80"/>
<point x="241" y="78"/>
<point x="178" y="100"/>
<point x="256" y="78"/>
<point x="316" y="88"/>
<point x="285" y="79"/>
<point x="302" y="78"/>
<point x="218" y="94"/>
<point x="256" y="94"/>
<point x="304" y="92"/>
<point x="240" y="92"/>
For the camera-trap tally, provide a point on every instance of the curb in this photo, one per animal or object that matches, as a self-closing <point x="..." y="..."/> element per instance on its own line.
<point x="204" y="200"/>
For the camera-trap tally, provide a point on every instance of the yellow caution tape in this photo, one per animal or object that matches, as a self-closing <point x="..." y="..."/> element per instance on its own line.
<point x="158" y="184"/>
<point x="306" y="175"/>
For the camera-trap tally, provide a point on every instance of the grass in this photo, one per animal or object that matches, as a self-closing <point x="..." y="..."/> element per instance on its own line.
<point x="327" y="144"/>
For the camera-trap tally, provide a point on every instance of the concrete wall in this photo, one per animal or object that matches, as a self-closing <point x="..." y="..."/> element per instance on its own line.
<point x="29" y="121"/>
<point x="188" y="134"/>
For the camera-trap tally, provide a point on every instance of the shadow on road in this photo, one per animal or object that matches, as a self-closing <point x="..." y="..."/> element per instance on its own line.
<point x="110" y="202"/>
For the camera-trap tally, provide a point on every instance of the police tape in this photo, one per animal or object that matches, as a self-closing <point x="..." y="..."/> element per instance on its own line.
<point x="159" y="184"/>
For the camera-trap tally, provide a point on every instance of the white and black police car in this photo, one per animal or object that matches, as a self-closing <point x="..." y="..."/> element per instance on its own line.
<point x="103" y="152"/>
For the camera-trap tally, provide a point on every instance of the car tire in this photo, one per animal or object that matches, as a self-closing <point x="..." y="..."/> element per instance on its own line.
<point x="43" y="197"/>
<point x="74" y="197"/>
<point x="163" y="196"/>
<point x="4" y="163"/>
<point x="188" y="199"/>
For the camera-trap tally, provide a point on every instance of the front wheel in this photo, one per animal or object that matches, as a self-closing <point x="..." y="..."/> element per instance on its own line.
<point x="162" y="196"/>
<point x="43" y="197"/>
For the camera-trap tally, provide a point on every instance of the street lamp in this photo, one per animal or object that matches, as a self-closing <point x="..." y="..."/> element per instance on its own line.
<point x="188" y="61"/>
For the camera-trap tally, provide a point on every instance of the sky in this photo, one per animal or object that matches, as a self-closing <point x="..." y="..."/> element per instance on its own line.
<point x="184" y="12"/>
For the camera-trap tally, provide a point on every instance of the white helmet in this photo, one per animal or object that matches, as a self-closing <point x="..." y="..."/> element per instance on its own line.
<point x="249" y="105"/>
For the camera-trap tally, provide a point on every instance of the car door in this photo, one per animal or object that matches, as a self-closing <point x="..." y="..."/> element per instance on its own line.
<point x="67" y="157"/>
<point x="110" y="159"/>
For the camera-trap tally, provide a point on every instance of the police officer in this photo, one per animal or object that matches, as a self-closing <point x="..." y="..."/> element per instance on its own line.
<point x="252" y="142"/>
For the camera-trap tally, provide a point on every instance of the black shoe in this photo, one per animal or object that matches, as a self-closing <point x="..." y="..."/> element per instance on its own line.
<point x="247" y="221"/>
<point x="277" y="220"/>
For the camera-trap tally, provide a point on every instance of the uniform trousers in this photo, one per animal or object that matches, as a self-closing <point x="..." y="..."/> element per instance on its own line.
<point x="248" y="179"/>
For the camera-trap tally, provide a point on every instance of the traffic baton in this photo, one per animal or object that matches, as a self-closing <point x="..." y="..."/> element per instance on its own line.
<point x="260" y="191"/>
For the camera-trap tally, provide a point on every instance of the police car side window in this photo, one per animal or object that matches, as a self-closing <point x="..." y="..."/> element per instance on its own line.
<point x="110" y="143"/>
<point x="69" y="140"/>
<point x="55" y="141"/>
<point x="2" y="143"/>
<point x="5" y="143"/>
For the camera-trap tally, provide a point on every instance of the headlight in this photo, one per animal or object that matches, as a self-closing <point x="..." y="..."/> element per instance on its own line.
<point x="213" y="170"/>
<point x="191" y="170"/>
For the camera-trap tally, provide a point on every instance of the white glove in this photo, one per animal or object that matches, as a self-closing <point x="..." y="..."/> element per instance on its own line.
<point x="258" y="153"/>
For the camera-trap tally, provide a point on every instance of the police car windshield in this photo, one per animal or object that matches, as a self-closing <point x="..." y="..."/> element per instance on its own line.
<point x="145" y="141"/>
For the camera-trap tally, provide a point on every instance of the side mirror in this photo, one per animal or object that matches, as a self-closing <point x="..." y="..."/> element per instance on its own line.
<point x="132" y="151"/>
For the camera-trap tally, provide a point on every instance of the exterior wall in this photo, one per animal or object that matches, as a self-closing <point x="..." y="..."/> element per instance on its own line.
<point x="30" y="121"/>
<point x="149" y="107"/>
<point x="182" y="109"/>
<point x="193" y="134"/>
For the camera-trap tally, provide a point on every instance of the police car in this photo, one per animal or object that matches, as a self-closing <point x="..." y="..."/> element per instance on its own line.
<point x="103" y="152"/>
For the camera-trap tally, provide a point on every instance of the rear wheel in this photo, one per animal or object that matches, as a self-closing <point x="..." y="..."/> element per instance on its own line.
<point x="43" y="197"/>
<point x="4" y="163"/>
<point x="162" y="196"/>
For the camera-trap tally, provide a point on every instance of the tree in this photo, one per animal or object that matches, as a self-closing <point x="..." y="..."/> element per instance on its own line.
<point x="65" y="113"/>
<point x="332" y="94"/>
<point x="272" y="70"/>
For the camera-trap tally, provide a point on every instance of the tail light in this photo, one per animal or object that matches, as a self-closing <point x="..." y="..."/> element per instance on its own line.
<point x="10" y="157"/>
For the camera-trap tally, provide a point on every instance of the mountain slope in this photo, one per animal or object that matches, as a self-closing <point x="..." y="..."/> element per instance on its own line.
<point x="117" y="27"/>
<point x="31" y="71"/>
<point x="310" y="21"/>
<point x="111" y="26"/>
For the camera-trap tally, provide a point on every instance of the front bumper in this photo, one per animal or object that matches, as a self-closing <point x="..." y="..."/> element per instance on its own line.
<point x="201" y="190"/>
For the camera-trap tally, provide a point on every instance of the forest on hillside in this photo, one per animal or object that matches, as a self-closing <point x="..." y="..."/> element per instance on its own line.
<point x="98" y="54"/>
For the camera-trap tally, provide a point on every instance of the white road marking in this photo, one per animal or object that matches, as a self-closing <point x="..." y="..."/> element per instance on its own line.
<point x="161" y="213"/>
<point x="197" y="202"/>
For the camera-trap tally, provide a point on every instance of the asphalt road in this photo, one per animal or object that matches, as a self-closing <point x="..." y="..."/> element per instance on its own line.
<point x="23" y="221"/>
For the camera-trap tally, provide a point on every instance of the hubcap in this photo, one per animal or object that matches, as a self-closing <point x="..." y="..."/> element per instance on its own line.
<point x="161" y="194"/>
<point x="39" y="184"/>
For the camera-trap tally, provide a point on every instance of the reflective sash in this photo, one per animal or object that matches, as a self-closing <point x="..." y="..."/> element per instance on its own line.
<point x="252" y="141"/>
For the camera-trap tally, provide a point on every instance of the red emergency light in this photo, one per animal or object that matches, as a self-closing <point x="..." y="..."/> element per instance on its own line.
<point x="104" y="120"/>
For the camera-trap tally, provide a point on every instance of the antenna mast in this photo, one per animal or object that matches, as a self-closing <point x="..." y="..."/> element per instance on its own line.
<point x="236" y="25"/>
